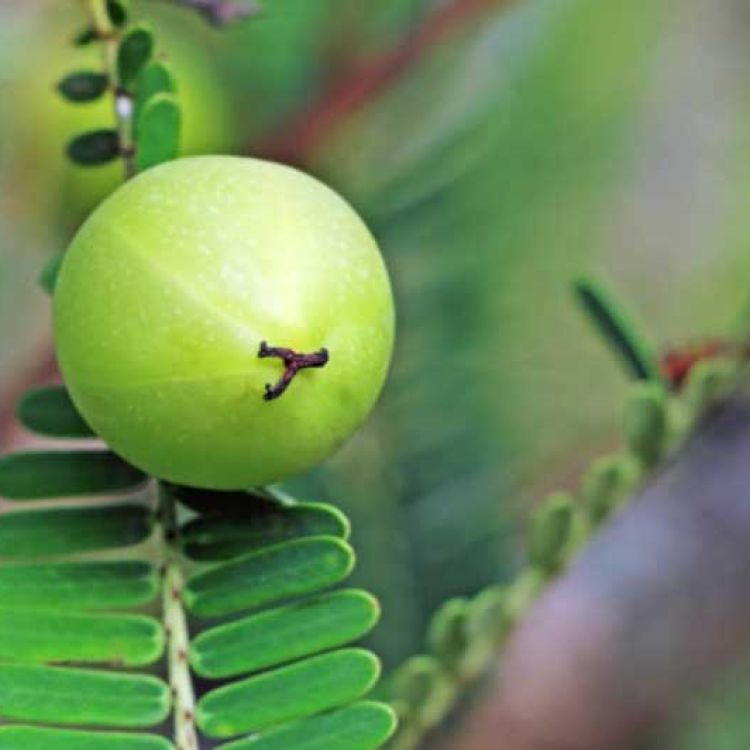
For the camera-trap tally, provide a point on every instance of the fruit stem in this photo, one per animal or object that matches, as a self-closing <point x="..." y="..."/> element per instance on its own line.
<point x="293" y="363"/>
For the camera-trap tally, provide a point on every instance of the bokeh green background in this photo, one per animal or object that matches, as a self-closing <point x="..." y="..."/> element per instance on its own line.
<point x="545" y="139"/>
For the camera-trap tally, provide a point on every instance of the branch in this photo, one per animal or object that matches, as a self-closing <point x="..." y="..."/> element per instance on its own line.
<point x="649" y="614"/>
<point x="366" y="80"/>
<point x="176" y="628"/>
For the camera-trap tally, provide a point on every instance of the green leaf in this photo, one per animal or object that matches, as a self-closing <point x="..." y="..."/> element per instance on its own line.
<point x="40" y="738"/>
<point x="79" y="585"/>
<point x="61" y="695"/>
<point x="84" y="86"/>
<point x="361" y="726"/>
<point x="39" y="635"/>
<point x="224" y="538"/>
<point x="279" y="572"/>
<point x="284" y="634"/>
<point x="118" y="12"/>
<point x="645" y="422"/>
<point x="606" y="483"/>
<point x="549" y="532"/>
<point x="618" y="329"/>
<point x="94" y="148"/>
<point x="423" y="690"/>
<point x="154" y="78"/>
<point x="85" y="37"/>
<point x="709" y="382"/>
<point x="65" y="531"/>
<point x="523" y="592"/>
<point x="448" y="637"/>
<point x="49" y="410"/>
<point x="487" y="624"/>
<point x="302" y="689"/>
<point x="158" y="132"/>
<point x="50" y="272"/>
<point x="134" y="52"/>
<point x="40" y="474"/>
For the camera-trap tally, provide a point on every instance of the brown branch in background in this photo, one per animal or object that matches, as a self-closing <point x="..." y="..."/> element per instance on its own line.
<point x="365" y="80"/>
<point x="648" y="615"/>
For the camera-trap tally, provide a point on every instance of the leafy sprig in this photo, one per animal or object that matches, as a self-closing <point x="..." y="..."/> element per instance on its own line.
<point x="466" y="635"/>
<point x="146" y="111"/>
<point x="87" y="579"/>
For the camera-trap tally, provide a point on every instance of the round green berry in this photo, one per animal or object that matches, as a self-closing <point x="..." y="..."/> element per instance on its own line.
<point x="224" y="322"/>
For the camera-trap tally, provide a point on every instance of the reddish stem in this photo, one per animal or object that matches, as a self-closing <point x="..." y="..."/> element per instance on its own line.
<point x="367" y="79"/>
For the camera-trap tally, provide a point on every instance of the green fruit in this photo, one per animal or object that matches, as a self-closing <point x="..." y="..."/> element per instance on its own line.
<point x="167" y="293"/>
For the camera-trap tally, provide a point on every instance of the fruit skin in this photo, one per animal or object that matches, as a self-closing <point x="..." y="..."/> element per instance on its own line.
<point x="167" y="292"/>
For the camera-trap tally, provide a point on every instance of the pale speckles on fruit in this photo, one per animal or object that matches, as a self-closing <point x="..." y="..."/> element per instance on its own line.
<point x="167" y="292"/>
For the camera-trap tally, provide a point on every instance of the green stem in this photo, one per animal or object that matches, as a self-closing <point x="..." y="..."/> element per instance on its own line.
<point x="176" y="627"/>
<point x="100" y="17"/>
<point x="123" y="101"/>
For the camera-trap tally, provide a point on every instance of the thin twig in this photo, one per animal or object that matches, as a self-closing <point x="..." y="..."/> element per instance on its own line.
<point x="366" y="80"/>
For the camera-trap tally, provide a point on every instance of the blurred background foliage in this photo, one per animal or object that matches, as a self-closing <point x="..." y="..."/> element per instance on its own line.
<point x="523" y="144"/>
